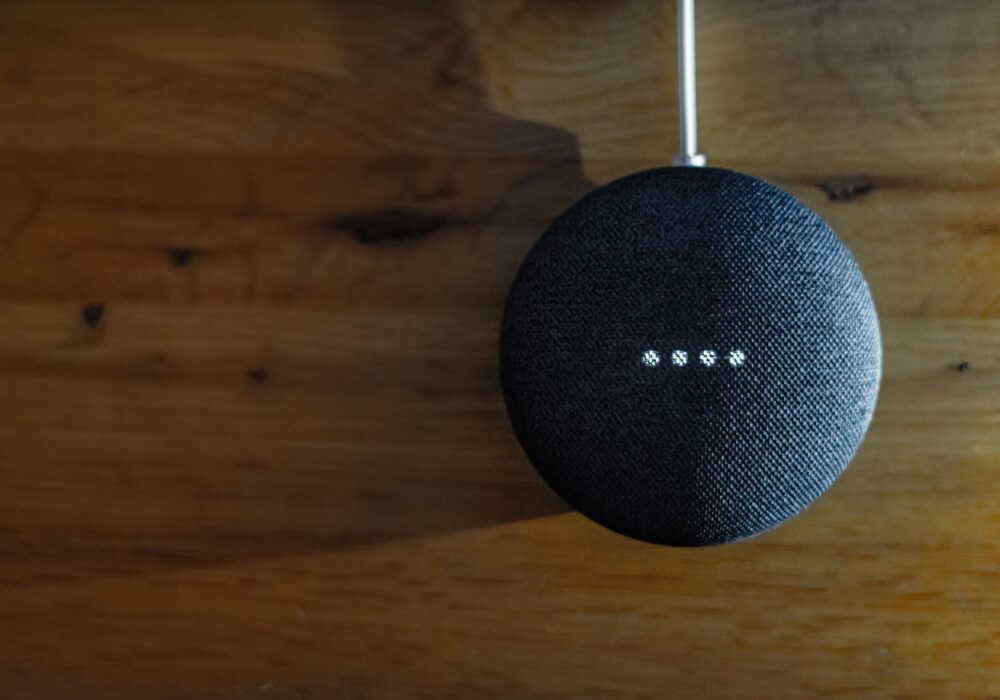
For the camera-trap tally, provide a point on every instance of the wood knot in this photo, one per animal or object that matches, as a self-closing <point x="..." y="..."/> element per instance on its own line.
<point x="844" y="190"/>
<point x="388" y="226"/>
<point x="258" y="375"/>
<point x="179" y="257"/>
<point x="92" y="314"/>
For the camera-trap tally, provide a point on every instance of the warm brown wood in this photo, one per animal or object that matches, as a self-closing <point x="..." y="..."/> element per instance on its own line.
<point x="252" y="260"/>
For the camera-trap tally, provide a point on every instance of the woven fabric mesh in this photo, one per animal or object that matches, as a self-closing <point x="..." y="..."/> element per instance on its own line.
<point x="690" y="259"/>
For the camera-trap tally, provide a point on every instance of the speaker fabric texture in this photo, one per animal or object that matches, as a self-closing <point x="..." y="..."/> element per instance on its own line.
<point x="690" y="356"/>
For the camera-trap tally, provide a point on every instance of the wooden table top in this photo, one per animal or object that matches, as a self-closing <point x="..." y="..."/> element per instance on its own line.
<point x="252" y="261"/>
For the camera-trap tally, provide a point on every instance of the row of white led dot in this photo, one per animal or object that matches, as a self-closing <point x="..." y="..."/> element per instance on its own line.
<point x="709" y="358"/>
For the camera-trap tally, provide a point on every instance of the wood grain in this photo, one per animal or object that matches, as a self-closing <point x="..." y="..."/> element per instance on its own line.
<point x="252" y="260"/>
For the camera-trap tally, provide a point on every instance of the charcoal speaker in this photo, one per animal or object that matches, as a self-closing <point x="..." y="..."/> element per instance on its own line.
<point x="690" y="356"/>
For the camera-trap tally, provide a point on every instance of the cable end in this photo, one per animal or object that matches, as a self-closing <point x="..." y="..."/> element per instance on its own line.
<point x="696" y="161"/>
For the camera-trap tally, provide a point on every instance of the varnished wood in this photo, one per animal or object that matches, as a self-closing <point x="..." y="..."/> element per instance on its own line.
<point x="252" y="261"/>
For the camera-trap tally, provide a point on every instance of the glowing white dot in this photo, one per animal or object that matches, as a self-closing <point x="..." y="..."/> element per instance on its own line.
<point x="708" y="357"/>
<point x="679" y="358"/>
<point x="651" y="358"/>
<point x="737" y="358"/>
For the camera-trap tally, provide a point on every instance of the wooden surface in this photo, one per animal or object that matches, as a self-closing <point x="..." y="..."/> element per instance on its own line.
<point x="252" y="261"/>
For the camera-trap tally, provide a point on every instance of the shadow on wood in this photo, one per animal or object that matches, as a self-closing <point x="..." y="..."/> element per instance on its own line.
<point x="296" y="345"/>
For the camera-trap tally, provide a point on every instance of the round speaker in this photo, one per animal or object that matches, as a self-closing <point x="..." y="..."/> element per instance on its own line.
<point x="690" y="356"/>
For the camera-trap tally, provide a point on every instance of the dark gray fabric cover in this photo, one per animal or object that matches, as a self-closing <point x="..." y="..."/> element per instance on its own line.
<point x="690" y="260"/>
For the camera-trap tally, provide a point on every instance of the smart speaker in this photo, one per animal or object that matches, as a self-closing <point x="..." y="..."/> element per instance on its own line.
<point x="689" y="355"/>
